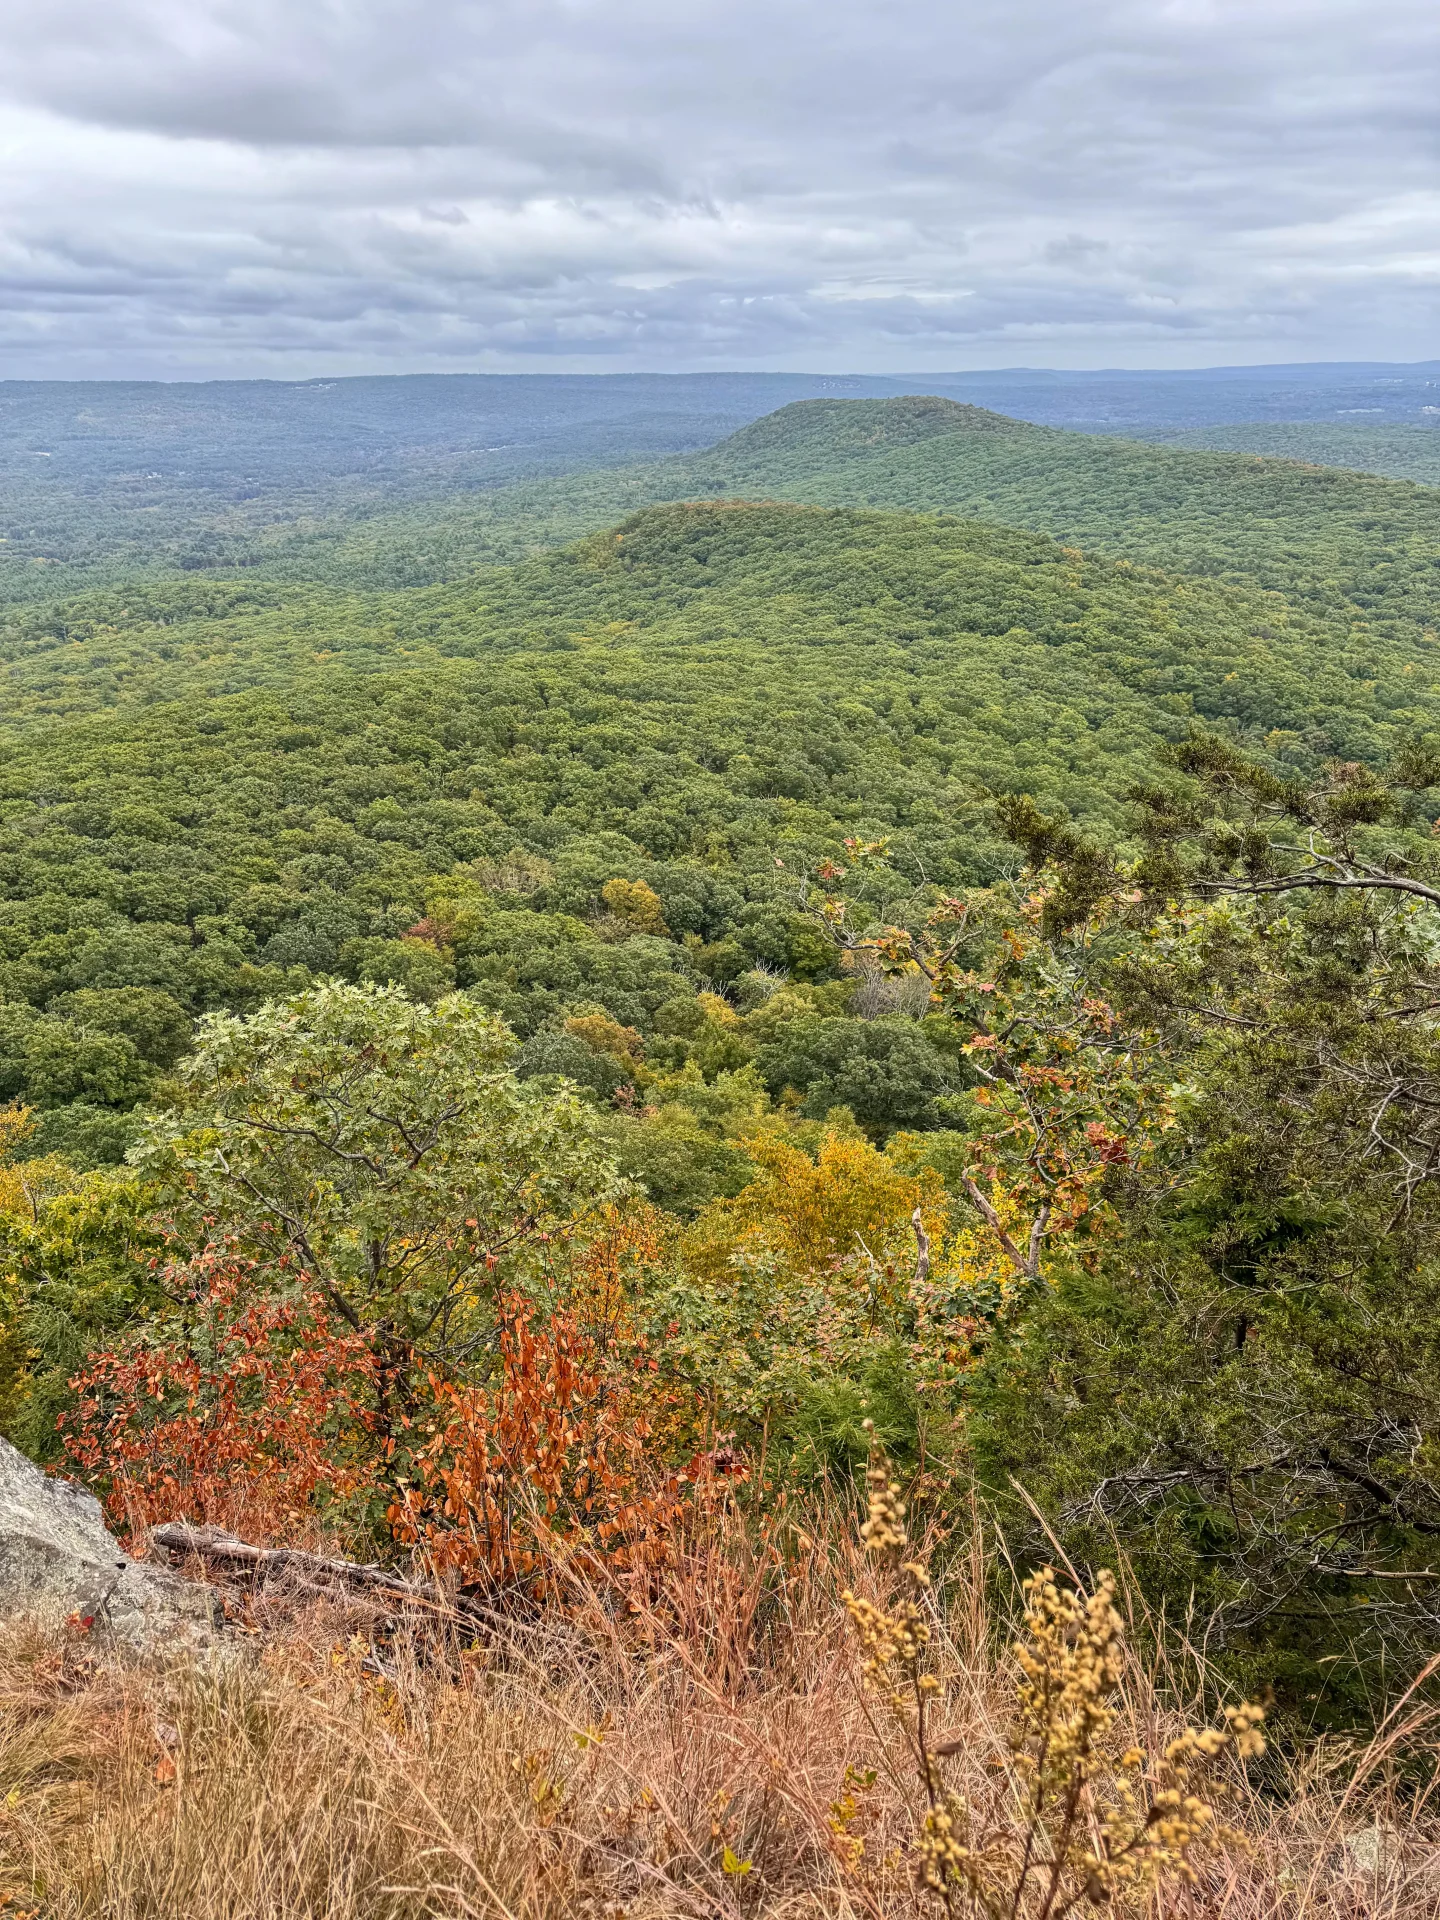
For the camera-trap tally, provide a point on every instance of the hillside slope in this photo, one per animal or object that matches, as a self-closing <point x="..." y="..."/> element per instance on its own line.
<point x="789" y="580"/>
<point x="1321" y="535"/>
<point x="1318" y="533"/>
<point x="211" y="793"/>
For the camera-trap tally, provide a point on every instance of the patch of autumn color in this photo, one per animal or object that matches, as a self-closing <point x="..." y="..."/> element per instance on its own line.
<point x="850" y="1198"/>
<point x="975" y="1251"/>
<point x="23" y="1183"/>
<point x="607" y="1268"/>
<point x="1065" y="1092"/>
<point x="253" y="1410"/>
<point x="637" y="905"/>
<point x="431" y="931"/>
<point x="603" y="1035"/>
<point x="16" y="1124"/>
<point x="551" y="1459"/>
<point x="608" y="1273"/>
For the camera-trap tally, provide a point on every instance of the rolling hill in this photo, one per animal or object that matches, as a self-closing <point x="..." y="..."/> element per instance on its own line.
<point x="1322" y="535"/>
<point x="206" y="797"/>
<point x="213" y="788"/>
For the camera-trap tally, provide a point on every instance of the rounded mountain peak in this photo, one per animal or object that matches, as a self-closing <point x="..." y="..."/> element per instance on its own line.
<point x="858" y="427"/>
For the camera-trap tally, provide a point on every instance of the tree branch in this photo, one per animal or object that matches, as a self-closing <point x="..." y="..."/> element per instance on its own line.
<point x="1027" y="1265"/>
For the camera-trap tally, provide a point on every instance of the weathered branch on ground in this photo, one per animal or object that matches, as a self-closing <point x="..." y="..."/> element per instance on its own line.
<point x="227" y="1553"/>
<point x="220" y="1549"/>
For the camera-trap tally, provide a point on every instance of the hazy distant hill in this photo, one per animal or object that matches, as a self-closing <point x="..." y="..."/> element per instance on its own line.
<point x="837" y="431"/>
<point x="102" y="478"/>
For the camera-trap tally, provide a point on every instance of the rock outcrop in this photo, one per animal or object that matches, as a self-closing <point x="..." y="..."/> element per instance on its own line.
<point x="58" y="1558"/>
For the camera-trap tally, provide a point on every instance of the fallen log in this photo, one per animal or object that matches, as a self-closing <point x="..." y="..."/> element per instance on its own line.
<point x="221" y="1549"/>
<point x="498" y="1609"/>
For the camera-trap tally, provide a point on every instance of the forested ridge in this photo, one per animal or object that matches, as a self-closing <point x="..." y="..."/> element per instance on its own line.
<point x="1315" y="533"/>
<point x="1380" y="447"/>
<point x="709" y="686"/>
<point x="944" y="896"/>
<point x="719" y="571"/>
<point x="1328" y="538"/>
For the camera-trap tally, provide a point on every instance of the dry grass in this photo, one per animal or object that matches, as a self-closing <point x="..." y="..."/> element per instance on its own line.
<point x="603" y="1764"/>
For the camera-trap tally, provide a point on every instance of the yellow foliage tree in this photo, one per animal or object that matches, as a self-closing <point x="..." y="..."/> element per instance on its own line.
<point x="814" y="1213"/>
<point x="636" y="905"/>
<point x="25" y="1183"/>
<point x="26" y="1186"/>
<point x="603" y="1035"/>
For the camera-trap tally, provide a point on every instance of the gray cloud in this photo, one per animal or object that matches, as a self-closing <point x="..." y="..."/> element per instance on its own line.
<point x="294" y="186"/>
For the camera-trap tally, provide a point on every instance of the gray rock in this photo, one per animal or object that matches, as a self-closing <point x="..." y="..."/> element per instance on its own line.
<point x="1373" y="1851"/>
<point x="57" y="1558"/>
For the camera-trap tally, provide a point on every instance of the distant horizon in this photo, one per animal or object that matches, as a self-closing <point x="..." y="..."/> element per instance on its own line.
<point x="1219" y="369"/>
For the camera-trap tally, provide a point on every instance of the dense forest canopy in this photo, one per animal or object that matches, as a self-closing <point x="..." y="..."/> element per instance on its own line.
<point x="284" y="773"/>
<point x="825" y="845"/>
<point x="790" y="575"/>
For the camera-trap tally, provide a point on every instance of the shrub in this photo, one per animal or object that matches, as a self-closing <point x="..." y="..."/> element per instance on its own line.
<point x="245" y="1407"/>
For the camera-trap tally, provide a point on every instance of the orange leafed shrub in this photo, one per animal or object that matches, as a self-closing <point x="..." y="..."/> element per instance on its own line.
<point x="253" y="1411"/>
<point x="566" y="1447"/>
<point x="256" y="1409"/>
<point x="553" y="1454"/>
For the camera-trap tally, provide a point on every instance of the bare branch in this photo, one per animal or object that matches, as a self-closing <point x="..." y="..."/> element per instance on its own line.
<point x="1027" y="1265"/>
<point x="922" y="1249"/>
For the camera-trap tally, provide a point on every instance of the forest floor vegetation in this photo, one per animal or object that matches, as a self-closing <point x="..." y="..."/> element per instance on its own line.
<point x="709" y="1746"/>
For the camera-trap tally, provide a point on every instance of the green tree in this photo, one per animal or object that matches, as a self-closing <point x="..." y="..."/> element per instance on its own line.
<point x="1242" y="1386"/>
<point x="80" y="1259"/>
<point x="884" y="1070"/>
<point x="387" y="1150"/>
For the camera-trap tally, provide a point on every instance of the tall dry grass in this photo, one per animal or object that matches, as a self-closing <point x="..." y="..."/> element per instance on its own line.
<point x="707" y="1750"/>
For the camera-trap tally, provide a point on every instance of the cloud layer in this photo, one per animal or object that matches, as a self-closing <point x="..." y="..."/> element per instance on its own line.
<point x="295" y="186"/>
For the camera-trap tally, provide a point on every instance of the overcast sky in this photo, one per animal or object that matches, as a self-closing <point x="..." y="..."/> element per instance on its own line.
<point x="290" y="187"/>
